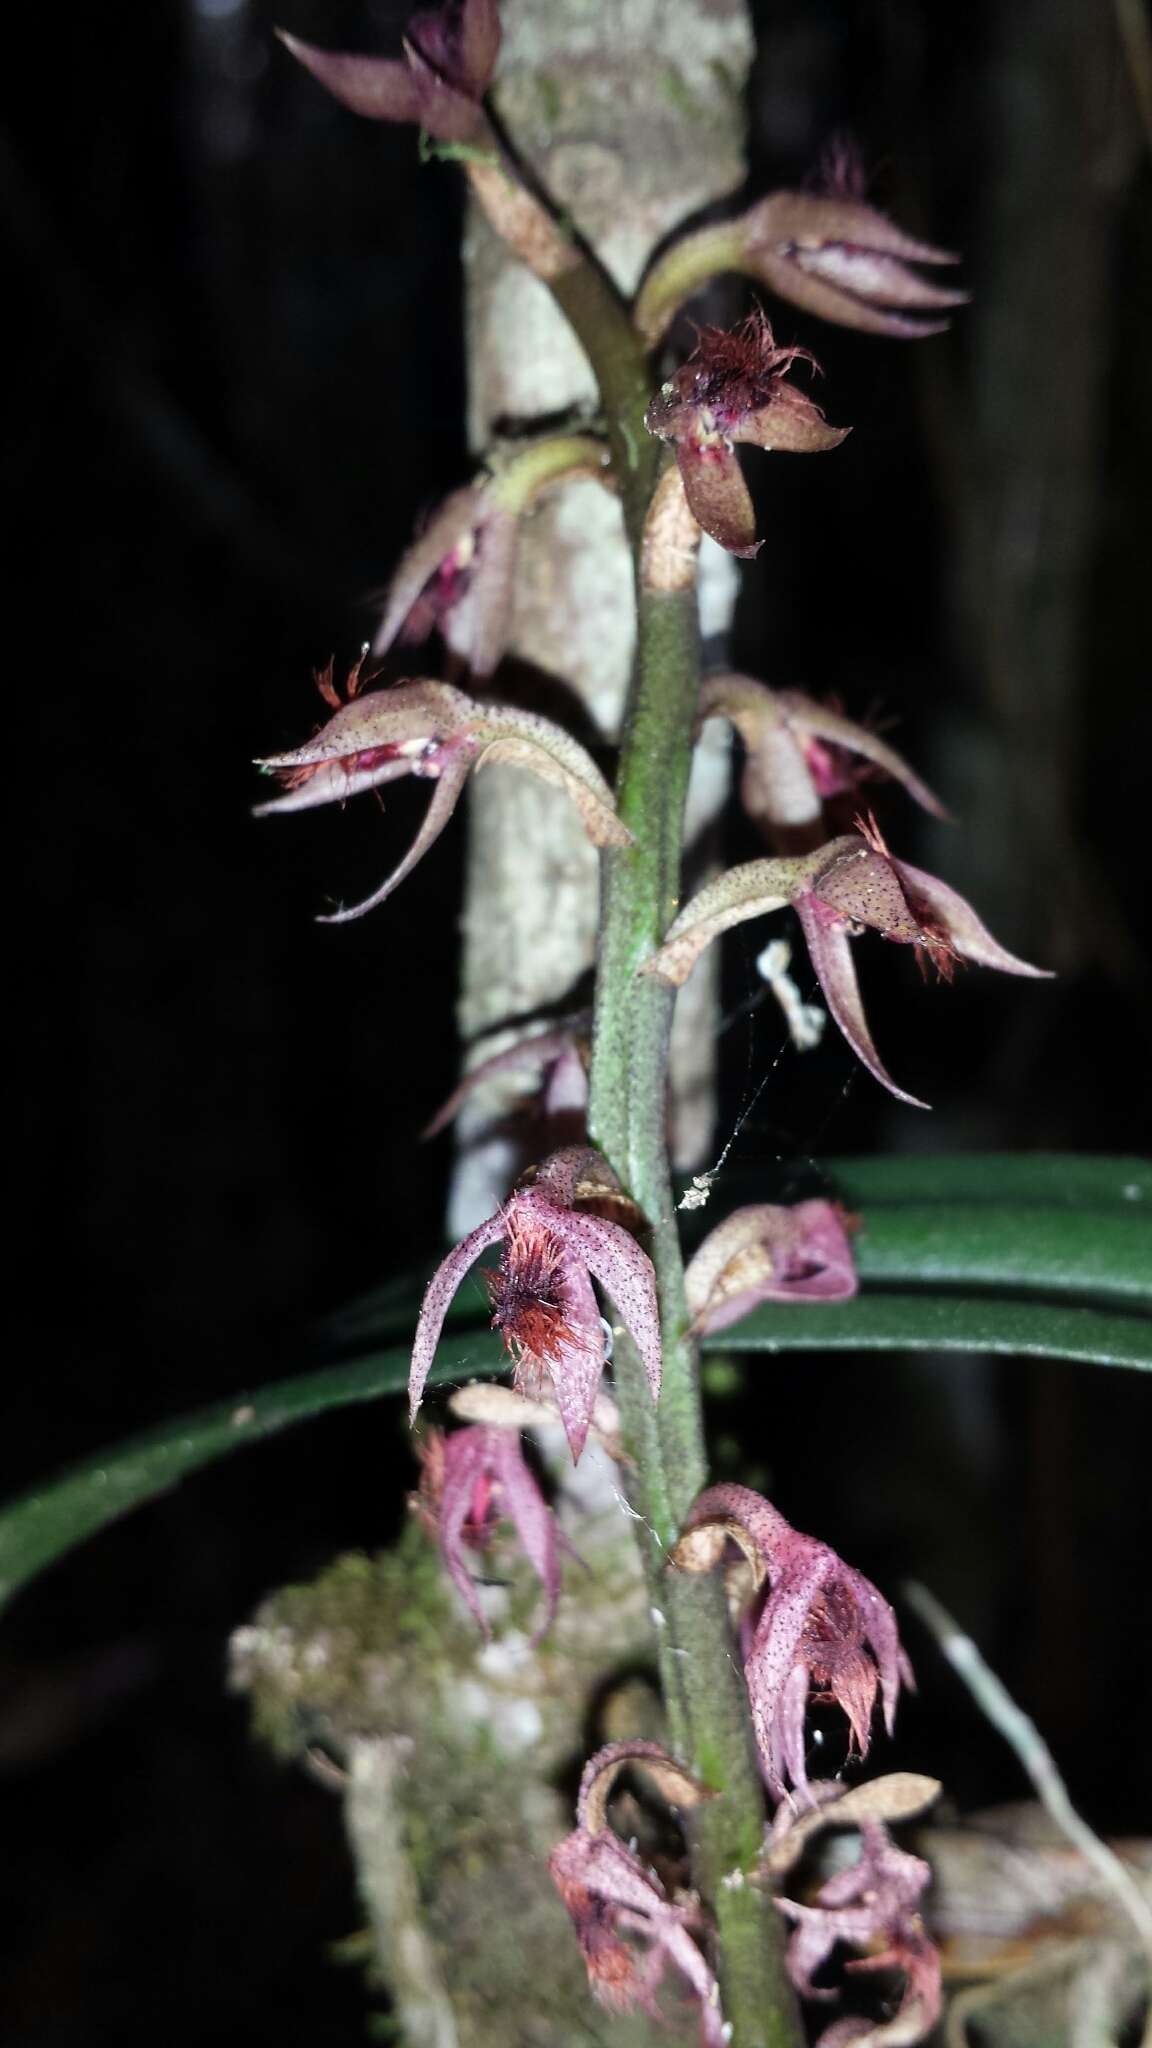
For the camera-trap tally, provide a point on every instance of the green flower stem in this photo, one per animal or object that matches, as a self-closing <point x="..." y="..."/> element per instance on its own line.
<point x="519" y="477"/>
<point x="600" y="322"/>
<point x="705" y="1697"/>
<point x="683" y="270"/>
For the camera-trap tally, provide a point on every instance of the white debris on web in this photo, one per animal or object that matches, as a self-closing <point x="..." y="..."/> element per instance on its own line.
<point x="805" y="1021"/>
<point x="694" y="1197"/>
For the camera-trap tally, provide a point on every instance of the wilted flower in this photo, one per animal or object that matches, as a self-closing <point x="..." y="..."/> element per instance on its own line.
<point x="449" y="57"/>
<point x="798" y="754"/>
<point x="561" y="1058"/>
<point x="820" y="1624"/>
<point x="470" y="1482"/>
<point x="769" y="1252"/>
<point x="459" y="575"/>
<point x="542" y="1296"/>
<point x="851" y="883"/>
<point x="434" y="732"/>
<point x="875" y="1905"/>
<point x="734" y="388"/>
<point x="609" y="1894"/>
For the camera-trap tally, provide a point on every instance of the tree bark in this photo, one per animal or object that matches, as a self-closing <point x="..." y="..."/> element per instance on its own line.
<point x="633" y="118"/>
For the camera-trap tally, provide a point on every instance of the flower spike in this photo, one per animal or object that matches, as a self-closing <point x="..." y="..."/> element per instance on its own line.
<point x="821" y="1623"/>
<point x="472" y="1480"/>
<point x="449" y="57"/>
<point x="769" y="1253"/>
<point x="543" y="1302"/>
<point x="734" y="388"/>
<point x="850" y="883"/>
<point x="438" y="734"/>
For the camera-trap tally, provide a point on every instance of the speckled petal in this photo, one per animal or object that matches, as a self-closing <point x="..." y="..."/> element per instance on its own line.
<point x="438" y="1296"/>
<point x="830" y="951"/>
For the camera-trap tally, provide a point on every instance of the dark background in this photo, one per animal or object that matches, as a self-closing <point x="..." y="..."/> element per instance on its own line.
<point x="236" y="383"/>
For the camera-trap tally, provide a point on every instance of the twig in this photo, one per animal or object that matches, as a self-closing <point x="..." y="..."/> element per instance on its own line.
<point x="1024" y="1738"/>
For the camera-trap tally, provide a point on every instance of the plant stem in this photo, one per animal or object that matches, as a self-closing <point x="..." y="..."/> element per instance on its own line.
<point x="704" y="1692"/>
<point x="705" y="1697"/>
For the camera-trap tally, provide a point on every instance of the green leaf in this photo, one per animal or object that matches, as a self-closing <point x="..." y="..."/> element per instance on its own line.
<point x="43" y="1524"/>
<point x="1025" y="1179"/>
<point x="1035" y="1256"/>
<point x="946" y="1322"/>
<point x="994" y="1244"/>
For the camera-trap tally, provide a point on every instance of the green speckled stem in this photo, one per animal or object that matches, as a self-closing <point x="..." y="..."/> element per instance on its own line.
<point x="706" y="1701"/>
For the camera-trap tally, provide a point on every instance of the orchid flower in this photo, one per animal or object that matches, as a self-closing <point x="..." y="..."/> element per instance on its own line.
<point x="560" y="1056"/>
<point x="609" y="1893"/>
<point x="472" y="1480"/>
<point x="821" y="1623"/>
<point x="436" y="733"/>
<point x="542" y="1296"/>
<point x="769" y="1253"/>
<point x="827" y="252"/>
<point x="874" y="1904"/>
<point x="845" y="261"/>
<point x="851" y="883"/>
<point x="460" y="573"/>
<point x="797" y="757"/>
<point x="449" y="57"/>
<point x="734" y="388"/>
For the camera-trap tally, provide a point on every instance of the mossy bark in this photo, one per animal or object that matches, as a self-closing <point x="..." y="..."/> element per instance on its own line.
<point x="456" y="1762"/>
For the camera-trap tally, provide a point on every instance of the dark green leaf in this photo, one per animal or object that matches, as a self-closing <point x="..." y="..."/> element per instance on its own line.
<point x="947" y="1322"/>
<point x="45" y="1523"/>
<point x="1050" y="1235"/>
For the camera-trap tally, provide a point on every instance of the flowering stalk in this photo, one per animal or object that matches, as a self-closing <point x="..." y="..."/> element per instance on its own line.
<point x="707" y="1710"/>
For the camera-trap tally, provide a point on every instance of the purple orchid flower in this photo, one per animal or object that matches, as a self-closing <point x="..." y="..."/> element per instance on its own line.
<point x="543" y="1301"/>
<point x="436" y="733"/>
<point x="734" y="388"/>
<point x="471" y="1481"/>
<point x="609" y="1894"/>
<point x="820" y="1623"/>
<point x="874" y="1904"/>
<point x="439" y="84"/>
<point x="851" y="883"/>
<point x="769" y="1252"/>
<point x="797" y="755"/>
